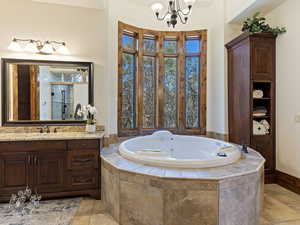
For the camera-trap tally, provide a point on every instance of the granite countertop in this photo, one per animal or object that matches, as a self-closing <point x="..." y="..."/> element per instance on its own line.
<point x="249" y="163"/>
<point x="50" y="136"/>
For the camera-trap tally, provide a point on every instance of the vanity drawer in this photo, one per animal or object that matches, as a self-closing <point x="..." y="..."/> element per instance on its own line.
<point x="86" y="179"/>
<point x="32" y="146"/>
<point x="83" y="159"/>
<point x="83" y="144"/>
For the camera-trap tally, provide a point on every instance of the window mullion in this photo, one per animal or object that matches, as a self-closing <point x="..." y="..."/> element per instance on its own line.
<point x="181" y="85"/>
<point x="139" y="86"/>
<point x="160" y="87"/>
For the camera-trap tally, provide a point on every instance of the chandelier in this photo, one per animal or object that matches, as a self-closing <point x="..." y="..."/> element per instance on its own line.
<point x="176" y="11"/>
<point x="37" y="46"/>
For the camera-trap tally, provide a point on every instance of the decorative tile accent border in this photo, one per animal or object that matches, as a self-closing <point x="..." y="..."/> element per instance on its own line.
<point x="35" y="129"/>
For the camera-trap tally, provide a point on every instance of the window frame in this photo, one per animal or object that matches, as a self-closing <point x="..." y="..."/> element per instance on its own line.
<point x="160" y="55"/>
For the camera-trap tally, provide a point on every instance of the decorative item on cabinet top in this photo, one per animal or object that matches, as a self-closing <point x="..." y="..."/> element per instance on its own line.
<point x="37" y="46"/>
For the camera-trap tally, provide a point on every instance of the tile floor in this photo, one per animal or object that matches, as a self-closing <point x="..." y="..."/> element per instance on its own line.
<point x="281" y="207"/>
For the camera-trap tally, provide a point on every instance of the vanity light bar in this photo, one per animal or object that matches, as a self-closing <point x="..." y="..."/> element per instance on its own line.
<point x="37" y="46"/>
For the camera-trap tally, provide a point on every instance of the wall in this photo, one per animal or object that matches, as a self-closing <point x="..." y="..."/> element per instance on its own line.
<point x="92" y="34"/>
<point x="82" y="29"/>
<point x="288" y="92"/>
<point x="203" y="17"/>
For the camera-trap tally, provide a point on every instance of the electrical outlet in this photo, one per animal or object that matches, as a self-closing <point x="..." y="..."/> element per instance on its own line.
<point x="297" y="118"/>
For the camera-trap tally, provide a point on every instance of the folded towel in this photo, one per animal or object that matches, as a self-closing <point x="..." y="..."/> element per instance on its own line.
<point x="259" y="129"/>
<point x="266" y="124"/>
<point x="259" y="114"/>
<point x="258" y="94"/>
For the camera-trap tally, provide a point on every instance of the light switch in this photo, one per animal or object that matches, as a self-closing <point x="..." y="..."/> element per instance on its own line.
<point x="297" y="118"/>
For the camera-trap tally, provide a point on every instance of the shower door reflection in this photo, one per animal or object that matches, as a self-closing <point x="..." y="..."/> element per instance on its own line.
<point x="62" y="105"/>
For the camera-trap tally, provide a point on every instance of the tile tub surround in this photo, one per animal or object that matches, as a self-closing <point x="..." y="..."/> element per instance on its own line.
<point x="51" y="136"/>
<point x="139" y="194"/>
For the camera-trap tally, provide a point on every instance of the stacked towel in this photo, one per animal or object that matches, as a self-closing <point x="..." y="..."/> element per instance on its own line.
<point x="260" y="111"/>
<point x="258" y="94"/>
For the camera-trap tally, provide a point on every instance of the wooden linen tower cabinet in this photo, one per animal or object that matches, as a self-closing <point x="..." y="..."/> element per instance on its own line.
<point x="252" y="66"/>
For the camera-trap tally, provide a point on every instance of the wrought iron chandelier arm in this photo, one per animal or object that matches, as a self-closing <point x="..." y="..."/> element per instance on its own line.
<point x="167" y="13"/>
<point x="187" y="13"/>
<point x="183" y="21"/>
<point x="163" y="17"/>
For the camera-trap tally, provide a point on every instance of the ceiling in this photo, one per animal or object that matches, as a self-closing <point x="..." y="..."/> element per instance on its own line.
<point x="100" y="4"/>
<point x="96" y="4"/>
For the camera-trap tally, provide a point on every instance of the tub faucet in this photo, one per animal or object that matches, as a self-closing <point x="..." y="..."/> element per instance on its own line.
<point x="47" y="129"/>
<point x="245" y="149"/>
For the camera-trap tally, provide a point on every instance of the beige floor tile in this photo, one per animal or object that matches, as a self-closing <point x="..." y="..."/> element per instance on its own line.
<point x="295" y="222"/>
<point x="86" y="207"/>
<point x="81" y="220"/>
<point x="283" y="195"/>
<point x="99" y="207"/>
<point x="275" y="211"/>
<point x="102" y="219"/>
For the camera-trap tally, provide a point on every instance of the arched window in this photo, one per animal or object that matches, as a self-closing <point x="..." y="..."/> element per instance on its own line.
<point x="162" y="81"/>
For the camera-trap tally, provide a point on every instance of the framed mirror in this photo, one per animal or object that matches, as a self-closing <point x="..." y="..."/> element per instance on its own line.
<point x="45" y="92"/>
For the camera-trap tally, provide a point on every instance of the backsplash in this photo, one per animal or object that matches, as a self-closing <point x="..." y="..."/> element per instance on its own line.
<point x="35" y="129"/>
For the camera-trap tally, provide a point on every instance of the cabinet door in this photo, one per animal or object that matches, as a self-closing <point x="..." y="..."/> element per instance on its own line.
<point x="263" y="59"/>
<point x="50" y="171"/>
<point x="264" y="145"/>
<point x="239" y="93"/>
<point x="14" y="171"/>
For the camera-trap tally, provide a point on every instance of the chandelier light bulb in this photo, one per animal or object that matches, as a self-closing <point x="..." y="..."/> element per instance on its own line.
<point x="47" y="48"/>
<point x="31" y="47"/>
<point x="15" y="46"/>
<point x="63" y="50"/>
<point x="157" y="7"/>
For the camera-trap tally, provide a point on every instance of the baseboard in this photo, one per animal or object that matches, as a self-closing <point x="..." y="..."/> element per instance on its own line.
<point x="270" y="178"/>
<point x="287" y="181"/>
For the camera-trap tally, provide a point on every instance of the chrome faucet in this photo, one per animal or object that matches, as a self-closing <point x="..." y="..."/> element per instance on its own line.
<point x="245" y="149"/>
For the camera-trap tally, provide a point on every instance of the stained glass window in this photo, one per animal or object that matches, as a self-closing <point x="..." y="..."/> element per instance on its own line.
<point x="128" y="42"/>
<point x="170" y="47"/>
<point x="192" y="91"/>
<point x="192" y="46"/>
<point x="170" y="93"/>
<point x="160" y="81"/>
<point x="149" y="45"/>
<point x="149" y="92"/>
<point x="128" y="91"/>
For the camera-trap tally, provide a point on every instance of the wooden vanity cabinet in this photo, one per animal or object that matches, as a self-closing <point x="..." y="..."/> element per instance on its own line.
<point x="52" y="168"/>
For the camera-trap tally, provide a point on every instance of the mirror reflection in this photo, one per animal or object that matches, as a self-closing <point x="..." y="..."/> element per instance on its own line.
<point x="46" y="92"/>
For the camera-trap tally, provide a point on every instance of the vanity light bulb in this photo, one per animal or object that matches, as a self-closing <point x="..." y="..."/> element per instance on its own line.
<point x="15" y="46"/>
<point x="63" y="50"/>
<point x="31" y="47"/>
<point x="47" y="48"/>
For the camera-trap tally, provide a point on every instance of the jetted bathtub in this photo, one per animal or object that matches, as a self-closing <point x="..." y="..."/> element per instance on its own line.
<point x="163" y="149"/>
